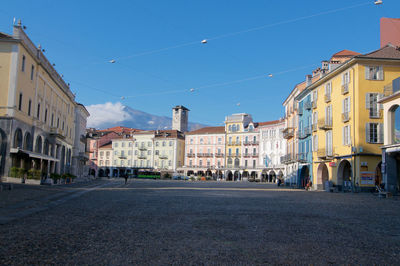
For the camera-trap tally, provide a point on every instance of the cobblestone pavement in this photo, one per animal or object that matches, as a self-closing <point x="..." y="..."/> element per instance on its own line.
<point x="151" y="222"/>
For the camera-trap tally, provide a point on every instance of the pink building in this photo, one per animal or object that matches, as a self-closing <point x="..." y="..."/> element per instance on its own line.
<point x="390" y="31"/>
<point x="204" y="152"/>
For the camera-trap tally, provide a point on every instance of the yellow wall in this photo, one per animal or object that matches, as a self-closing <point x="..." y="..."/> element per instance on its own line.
<point x="5" y="60"/>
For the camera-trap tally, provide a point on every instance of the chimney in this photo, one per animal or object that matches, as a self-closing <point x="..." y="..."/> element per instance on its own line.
<point x="325" y="65"/>
<point x="308" y="80"/>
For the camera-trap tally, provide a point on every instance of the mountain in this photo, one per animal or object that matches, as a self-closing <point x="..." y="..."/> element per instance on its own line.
<point x="116" y="114"/>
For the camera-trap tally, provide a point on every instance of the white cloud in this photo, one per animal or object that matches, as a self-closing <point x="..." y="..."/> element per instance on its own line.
<point x="106" y="114"/>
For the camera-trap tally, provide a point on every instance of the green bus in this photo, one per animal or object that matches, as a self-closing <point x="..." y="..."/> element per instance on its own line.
<point x="149" y="175"/>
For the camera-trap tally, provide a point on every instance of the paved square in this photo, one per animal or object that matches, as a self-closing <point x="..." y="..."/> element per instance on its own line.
<point x="151" y="222"/>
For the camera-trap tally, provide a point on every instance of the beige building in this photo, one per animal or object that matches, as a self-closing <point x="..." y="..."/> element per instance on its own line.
<point x="37" y="109"/>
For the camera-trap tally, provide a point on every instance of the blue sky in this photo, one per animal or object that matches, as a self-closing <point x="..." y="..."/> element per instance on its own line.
<point x="81" y="37"/>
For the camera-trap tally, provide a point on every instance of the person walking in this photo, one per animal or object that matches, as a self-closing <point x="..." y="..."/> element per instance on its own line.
<point x="126" y="178"/>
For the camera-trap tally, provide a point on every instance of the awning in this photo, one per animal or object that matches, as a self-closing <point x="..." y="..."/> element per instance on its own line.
<point x="34" y="154"/>
<point x="393" y="149"/>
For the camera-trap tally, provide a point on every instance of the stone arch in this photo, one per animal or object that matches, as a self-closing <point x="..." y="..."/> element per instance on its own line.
<point x="236" y="176"/>
<point x="322" y="176"/>
<point x="38" y="144"/>
<point x="272" y="176"/>
<point x="3" y="148"/>
<point x="18" y="142"/>
<point x="304" y="176"/>
<point x="229" y="176"/>
<point x="344" y="173"/>
<point x="27" y="142"/>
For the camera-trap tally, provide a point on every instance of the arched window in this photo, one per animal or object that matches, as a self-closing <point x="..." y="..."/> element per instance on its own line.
<point x="38" y="144"/>
<point x="230" y="128"/>
<point x="18" y="139"/>
<point x="27" y="141"/>
<point x="234" y="128"/>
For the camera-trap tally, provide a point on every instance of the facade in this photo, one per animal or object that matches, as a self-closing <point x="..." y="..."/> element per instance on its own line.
<point x="79" y="156"/>
<point x="346" y="144"/>
<point x="37" y="109"/>
<point x="205" y="152"/>
<point x="272" y="146"/>
<point x="391" y="147"/>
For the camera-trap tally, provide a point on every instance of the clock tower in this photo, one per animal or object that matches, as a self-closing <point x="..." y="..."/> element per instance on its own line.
<point x="180" y="115"/>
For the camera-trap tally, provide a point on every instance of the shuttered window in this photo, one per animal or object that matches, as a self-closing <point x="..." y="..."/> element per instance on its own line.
<point x="374" y="72"/>
<point x="371" y="103"/>
<point x="374" y="132"/>
<point x="346" y="135"/>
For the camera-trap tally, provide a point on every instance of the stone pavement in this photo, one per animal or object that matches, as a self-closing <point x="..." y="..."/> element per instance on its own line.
<point x="155" y="222"/>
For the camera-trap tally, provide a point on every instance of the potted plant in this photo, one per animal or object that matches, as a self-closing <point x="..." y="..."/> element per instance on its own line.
<point x="55" y="177"/>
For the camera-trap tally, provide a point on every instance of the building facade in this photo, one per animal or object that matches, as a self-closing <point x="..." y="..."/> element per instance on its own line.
<point x="79" y="155"/>
<point x="37" y="109"/>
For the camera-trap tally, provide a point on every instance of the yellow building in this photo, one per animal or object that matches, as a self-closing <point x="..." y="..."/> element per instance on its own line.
<point x="37" y="109"/>
<point x="347" y="119"/>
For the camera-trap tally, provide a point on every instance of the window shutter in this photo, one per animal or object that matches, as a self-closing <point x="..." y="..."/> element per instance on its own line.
<point x="366" y="72"/>
<point x="342" y="79"/>
<point x="343" y="135"/>
<point x="348" y="104"/>
<point x="349" y="135"/>
<point x="367" y="102"/>
<point x="380" y="133"/>
<point x="343" y="104"/>
<point x="367" y="133"/>
<point x="348" y="77"/>
<point x="380" y="73"/>
<point x="380" y="96"/>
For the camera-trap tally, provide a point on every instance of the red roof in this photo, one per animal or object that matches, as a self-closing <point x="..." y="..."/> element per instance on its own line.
<point x="345" y="53"/>
<point x="119" y="129"/>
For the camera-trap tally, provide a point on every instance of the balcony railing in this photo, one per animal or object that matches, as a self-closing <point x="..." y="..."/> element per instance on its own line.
<point x="190" y="155"/>
<point x="142" y="148"/>
<point x="142" y="156"/>
<point x="250" y="143"/>
<point x="307" y="105"/>
<point x="301" y="157"/>
<point x="345" y="117"/>
<point x="286" y="159"/>
<point x="57" y="132"/>
<point x="219" y="155"/>
<point x="288" y="133"/>
<point x="234" y="155"/>
<point x="325" y="153"/>
<point x="234" y="143"/>
<point x="325" y="124"/>
<point x="163" y="156"/>
<point x="314" y="127"/>
<point x="345" y="88"/>
<point x="314" y="104"/>
<point x="327" y="98"/>
<point x="204" y="154"/>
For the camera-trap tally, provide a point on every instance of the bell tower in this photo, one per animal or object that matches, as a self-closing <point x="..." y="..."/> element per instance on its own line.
<point x="180" y="117"/>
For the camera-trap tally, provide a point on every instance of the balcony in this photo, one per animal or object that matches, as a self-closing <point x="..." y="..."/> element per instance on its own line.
<point x="204" y="155"/>
<point x="288" y="133"/>
<point x="314" y="104"/>
<point x="345" y="117"/>
<point x="314" y="127"/>
<point x="325" y="153"/>
<point x="246" y="143"/>
<point x="219" y="155"/>
<point x="122" y="156"/>
<point x="327" y="98"/>
<point x="307" y="131"/>
<point x="246" y="155"/>
<point x="254" y="155"/>
<point x="142" y="148"/>
<point x="301" y="157"/>
<point x="307" y="105"/>
<point x="190" y="155"/>
<point x="286" y="159"/>
<point x="142" y="156"/>
<point x="234" y="143"/>
<point x="57" y="132"/>
<point x="234" y="155"/>
<point x="345" y="88"/>
<point x="325" y="124"/>
<point x="163" y="156"/>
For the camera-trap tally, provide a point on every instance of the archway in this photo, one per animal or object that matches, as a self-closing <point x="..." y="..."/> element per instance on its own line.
<point x="190" y="173"/>
<point x="229" y="176"/>
<point x="27" y="142"/>
<point x="101" y="173"/>
<point x="3" y="148"/>
<point x="107" y="172"/>
<point x="322" y="176"/>
<point x="92" y="172"/>
<point x="17" y="143"/>
<point x="208" y="173"/>
<point x="245" y="174"/>
<point x="200" y="173"/>
<point x="254" y="175"/>
<point x="38" y="144"/>
<point x="115" y="172"/>
<point x="304" y="176"/>
<point x="219" y="174"/>
<point x="272" y="177"/>
<point x="378" y="174"/>
<point x="236" y="176"/>
<point x="344" y="173"/>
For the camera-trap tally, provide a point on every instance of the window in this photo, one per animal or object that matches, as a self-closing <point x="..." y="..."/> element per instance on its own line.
<point x="101" y="154"/>
<point x="191" y="141"/>
<point x="122" y="153"/>
<point x="190" y="163"/>
<point x="245" y="163"/>
<point x="115" y="152"/>
<point x="45" y="115"/>
<point x="346" y="137"/>
<point x="328" y="143"/>
<point x="219" y="164"/>
<point x="254" y="151"/>
<point x="374" y="132"/>
<point x="38" y="111"/>
<point x="20" y="102"/>
<point x="29" y="107"/>
<point x="169" y="163"/>
<point x="52" y="119"/>
<point x="32" y="71"/>
<point x="136" y="152"/>
<point x="63" y="126"/>
<point x="163" y="143"/>
<point x="346" y="78"/>
<point x="237" y="152"/>
<point x="149" y="152"/>
<point x="230" y="140"/>
<point x="230" y="128"/>
<point x="201" y="141"/>
<point x="170" y="143"/>
<point x="156" y="144"/>
<point x="58" y="122"/>
<point x="254" y="139"/>
<point x="254" y="163"/>
<point x="371" y="103"/>
<point x="230" y="152"/>
<point x="246" y="139"/>
<point x="123" y="144"/>
<point x="149" y="143"/>
<point x="157" y="152"/>
<point x="116" y="145"/>
<point x="374" y="72"/>
<point x="107" y="154"/>
<point x="23" y="63"/>
<point x="219" y="140"/>
<point x="328" y="115"/>
<point x="328" y="91"/>
<point x="200" y="163"/>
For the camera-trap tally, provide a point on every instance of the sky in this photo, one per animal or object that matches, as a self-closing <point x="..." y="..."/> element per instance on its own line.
<point x="159" y="60"/>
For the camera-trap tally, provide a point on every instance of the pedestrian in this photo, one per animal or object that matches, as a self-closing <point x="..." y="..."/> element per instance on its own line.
<point x="126" y="178"/>
<point x="279" y="182"/>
